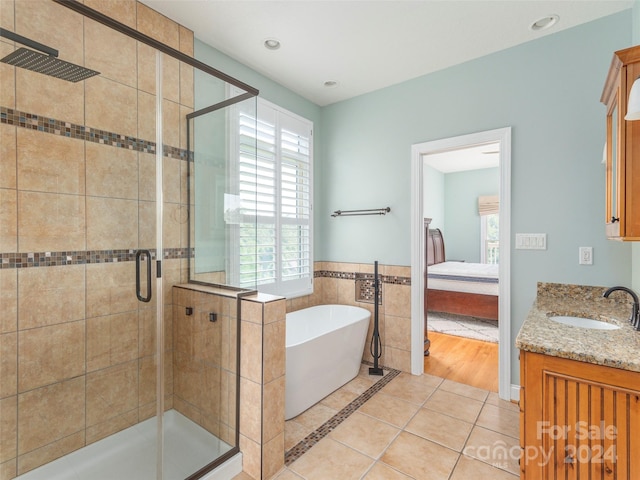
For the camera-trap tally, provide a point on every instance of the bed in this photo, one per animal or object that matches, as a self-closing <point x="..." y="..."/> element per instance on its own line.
<point x="459" y="287"/>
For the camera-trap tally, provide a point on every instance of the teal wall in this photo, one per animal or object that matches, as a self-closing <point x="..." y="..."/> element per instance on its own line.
<point x="433" y="191"/>
<point x="461" y="220"/>
<point x="636" y="22"/>
<point x="451" y="201"/>
<point x="548" y="91"/>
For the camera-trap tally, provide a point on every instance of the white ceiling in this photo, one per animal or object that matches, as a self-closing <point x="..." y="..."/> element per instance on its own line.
<point x="367" y="45"/>
<point x="463" y="159"/>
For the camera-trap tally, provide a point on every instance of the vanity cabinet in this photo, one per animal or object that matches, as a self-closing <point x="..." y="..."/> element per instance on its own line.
<point x="578" y="420"/>
<point x="622" y="149"/>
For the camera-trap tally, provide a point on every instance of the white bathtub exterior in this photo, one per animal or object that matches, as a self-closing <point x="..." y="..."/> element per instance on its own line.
<point x="324" y="346"/>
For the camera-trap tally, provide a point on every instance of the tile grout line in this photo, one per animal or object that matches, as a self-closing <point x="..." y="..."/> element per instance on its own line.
<point x="460" y="453"/>
<point x="400" y="430"/>
<point x="475" y="424"/>
<point x="327" y="427"/>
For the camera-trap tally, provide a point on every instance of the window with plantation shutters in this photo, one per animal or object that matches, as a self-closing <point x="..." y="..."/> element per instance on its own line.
<point x="275" y="190"/>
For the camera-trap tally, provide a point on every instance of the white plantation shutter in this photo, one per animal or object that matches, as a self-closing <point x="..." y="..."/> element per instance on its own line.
<point x="295" y="199"/>
<point x="257" y="188"/>
<point x="275" y="188"/>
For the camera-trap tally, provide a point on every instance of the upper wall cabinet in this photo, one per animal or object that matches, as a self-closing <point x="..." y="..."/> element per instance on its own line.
<point x="623" y="149"/>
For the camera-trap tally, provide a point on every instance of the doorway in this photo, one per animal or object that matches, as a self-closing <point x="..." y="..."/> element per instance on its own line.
<point x="461" y="199"/>
<point x="502" y="138"/>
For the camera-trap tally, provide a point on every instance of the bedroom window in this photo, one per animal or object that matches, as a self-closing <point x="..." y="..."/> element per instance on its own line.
<point x="488" y="209"/>
<point x="490" y="246"/>
<point x="275" y="189"/>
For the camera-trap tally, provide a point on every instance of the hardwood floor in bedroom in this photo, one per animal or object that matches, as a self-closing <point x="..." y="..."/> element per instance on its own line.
<point x="463" y="360"/>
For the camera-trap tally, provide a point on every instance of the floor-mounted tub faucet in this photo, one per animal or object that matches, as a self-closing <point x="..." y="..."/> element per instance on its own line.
<point x="635" y="312"/>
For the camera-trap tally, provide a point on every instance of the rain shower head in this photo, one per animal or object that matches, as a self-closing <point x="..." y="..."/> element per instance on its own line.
<point x="46" y="63"/>
<point x="52" y="66"/>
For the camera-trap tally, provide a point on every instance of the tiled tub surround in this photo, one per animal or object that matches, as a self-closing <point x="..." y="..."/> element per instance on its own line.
<point x="262" y="383"/>
<point x="613" y="348"/>
<point x="205" y="371"/>
<point x="351" y="284"/>
<point x="77" y="358"/>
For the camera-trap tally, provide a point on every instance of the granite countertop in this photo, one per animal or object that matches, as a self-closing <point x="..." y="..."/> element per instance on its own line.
<point x="614" y="348"/>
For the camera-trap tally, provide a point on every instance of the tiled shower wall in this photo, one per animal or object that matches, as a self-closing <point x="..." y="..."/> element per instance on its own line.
<point x="337" y="283"/>
<point x="205" y="358"/>
<point x="205" y="370"/>
<point x="77" y="191"/>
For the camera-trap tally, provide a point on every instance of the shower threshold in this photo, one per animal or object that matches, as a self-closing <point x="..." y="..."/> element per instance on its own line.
<point x="131" y="453"/>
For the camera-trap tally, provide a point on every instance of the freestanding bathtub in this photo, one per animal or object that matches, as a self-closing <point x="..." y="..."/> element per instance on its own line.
<point x="324" y="346"/>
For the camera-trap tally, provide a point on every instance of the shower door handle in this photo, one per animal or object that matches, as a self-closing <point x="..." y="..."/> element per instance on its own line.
<point x="139" y="254"/>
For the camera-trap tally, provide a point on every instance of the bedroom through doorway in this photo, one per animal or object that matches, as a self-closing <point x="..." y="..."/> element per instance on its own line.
<point x="461" y="197"/>
<point x="465" y="254"/>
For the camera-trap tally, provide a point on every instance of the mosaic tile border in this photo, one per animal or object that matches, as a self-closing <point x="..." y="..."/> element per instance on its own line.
<point x="54" y="259"/>
<point x="327" y="427"/>
<point x="81" y="132"/>
<point x="392" y="279"/>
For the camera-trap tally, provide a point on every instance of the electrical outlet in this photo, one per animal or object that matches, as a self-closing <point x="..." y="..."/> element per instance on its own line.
<point x="586" y="255"/>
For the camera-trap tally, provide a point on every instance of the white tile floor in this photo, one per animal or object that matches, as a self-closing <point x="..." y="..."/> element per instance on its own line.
<point x="131" y="453"/>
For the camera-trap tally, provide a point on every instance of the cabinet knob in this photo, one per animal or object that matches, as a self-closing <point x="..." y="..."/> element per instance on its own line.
<point x="615" y="219"/>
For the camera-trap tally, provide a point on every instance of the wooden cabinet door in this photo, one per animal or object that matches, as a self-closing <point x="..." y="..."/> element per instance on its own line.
<point x="632" y="167"/>
<point x="623" y="149"/>
<point x="581" y="421"/>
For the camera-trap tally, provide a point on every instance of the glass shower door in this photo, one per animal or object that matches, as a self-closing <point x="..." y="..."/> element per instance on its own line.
<point x="81" y="202"/>
<point x="93" y="185"/>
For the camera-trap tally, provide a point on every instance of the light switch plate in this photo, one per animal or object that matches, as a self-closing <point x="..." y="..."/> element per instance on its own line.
<point x="531" y="241"/>
<point x="586" y="256"/>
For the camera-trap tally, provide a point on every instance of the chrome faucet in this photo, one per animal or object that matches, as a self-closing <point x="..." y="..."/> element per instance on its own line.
<point x="635" y="312"/>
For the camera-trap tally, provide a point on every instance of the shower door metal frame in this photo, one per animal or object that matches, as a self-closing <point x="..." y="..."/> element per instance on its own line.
<point x="249" y="93"/>
<point x="240" y="292"/>
<point x="152" y="42"/>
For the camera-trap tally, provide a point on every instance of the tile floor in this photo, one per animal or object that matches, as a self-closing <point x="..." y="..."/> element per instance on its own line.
<point x="414" y="427"/>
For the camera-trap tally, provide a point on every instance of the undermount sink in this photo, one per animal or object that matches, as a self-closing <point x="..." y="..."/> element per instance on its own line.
<point x="584" y="322"/>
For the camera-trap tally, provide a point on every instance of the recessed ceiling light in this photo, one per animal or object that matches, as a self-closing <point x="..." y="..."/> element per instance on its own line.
<point x="272" y="44"/>
<point x="330" y="84"/>
<point x="544" y="23"/>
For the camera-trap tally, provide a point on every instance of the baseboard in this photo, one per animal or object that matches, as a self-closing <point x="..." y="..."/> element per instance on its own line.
<point x="515" y="393"/>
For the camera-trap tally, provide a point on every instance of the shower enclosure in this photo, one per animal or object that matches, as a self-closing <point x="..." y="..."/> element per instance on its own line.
<point x="106" y="183"/>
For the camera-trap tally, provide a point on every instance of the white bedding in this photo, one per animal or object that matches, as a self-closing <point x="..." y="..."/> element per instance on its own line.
<point x="464" y="277"/>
